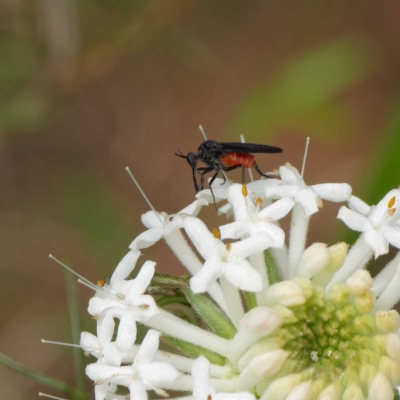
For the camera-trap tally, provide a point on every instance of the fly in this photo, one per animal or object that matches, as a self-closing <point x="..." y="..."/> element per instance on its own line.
<point x="225" y="157"/>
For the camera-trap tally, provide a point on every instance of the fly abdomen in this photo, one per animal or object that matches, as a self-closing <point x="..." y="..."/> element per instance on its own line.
<point x="232" y="159"/>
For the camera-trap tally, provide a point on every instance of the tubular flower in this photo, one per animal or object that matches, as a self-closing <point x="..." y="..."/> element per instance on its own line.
<point x="261" y="315"/>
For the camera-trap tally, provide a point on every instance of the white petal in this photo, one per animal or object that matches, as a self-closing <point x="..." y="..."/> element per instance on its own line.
<point x="277" y="210"/>
<point x="204" y="279"/>
<point x="379" y="212"/>
<point x="247" y="247"/>
<point x="148" y="348"/>
<point x="290" y="174"/>
<point x="126" y="332"/>
<point x="300" y="392"/>
<point x="147" y="239"/>
<point x="308" y="199"/>
<point x="158" y="374"/>
<point x="152" y="220"/>
<point x="392" y="235"/>
<point x="125" y="266"/>
<point x="235" y="230"/>
<point x="89" y="342"/>
<point x="243" y="276"/>
<point x="333" y="191"/>
<point x="354" y="220"/>
<point x="237" y="396"/>
<point x="137" y="391"/>
<point x="201" y="378"/>
<point x="242" y="205"/>
<point x="101" y="391"/>
<point x="201" y="237"/>
<point x="258" y="187"/>
<point x="377" y="241"/>
<point x="277" y="235"/>
<point x="356" y="204"/>
<point x="277" y="192"/>
<point x="139" y="285"/>
<point x="112" y="355"/>
<point x="194" y="208"/>
<point x="105" y="328"/>
<point x="380" y="388"/>
<point x="146" y="308"/>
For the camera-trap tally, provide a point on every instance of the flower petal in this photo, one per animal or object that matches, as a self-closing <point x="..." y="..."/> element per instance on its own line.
<point x="204" y="279"/>
<point x="139" y="285"/>
<point x="201" y="237"/>
<point x="392" y="235"/>
<point x="235" y="230"/>
<point x="377" y="241"/>
<point x="277" y="192"/>
<point x="147" y="239"/>
<point x="125" y="266"/>
<point x="126" y="335"/>
<point x="333" y="191"/>
<point x="148" y="348"/>
<point x="380" y="211"/>
<point x="277" y="210"/>
<point x="308" y="199"/>
<point x="356" y="204"/>
<point x="153" y="220"/>
<point x="247" y="247"/>
<point x="354" y="220"/>
<point x="194" y="208"/>
<point x="243" y="206"/>
<point x="243" y="276"/>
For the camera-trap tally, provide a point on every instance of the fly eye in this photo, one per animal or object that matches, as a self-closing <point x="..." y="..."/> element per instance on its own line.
<point x="192" y="160"/>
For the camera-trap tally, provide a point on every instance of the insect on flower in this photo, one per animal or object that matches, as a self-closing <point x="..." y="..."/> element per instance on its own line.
<point x="225" y="157"/>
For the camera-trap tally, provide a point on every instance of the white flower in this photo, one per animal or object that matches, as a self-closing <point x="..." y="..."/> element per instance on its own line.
<point x="125" y="300"/>
<point x="309" y="197"/>
<point x="225" y="259"/>
<point x="379" y="226"/>
<point x="144" y="373"/>
<point x="203" y="389"/>
<point x="250" y="220"/>
<point x="161" y="224"/>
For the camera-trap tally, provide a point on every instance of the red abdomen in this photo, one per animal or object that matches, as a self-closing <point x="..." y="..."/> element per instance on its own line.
<point x="231" y="159"/>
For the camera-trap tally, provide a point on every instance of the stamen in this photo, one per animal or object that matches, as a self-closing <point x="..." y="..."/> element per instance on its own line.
<point x="101" y="282"/>
<point x="88" y="283"/>
<point x="305" y="157"/>
<point x="50" y="397"/>
<point x="249" y="169"/>
<point x="244" y="190"/>
<point x="228" y="246"/>
<point x="202" y="132"/>
<point x="216" y="233"/>
<point x="144" y="196"/>
<point x="391" y="212"/>
<point x="59" y="343"/>
<point x="391" y="202"/>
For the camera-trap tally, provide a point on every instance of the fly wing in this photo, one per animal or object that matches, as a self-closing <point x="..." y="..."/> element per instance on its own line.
<point x="247" y="148"/>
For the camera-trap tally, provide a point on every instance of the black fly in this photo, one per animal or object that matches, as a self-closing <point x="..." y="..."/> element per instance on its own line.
<point x="225" y="157"/>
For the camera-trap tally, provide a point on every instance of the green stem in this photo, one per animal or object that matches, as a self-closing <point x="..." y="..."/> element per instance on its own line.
<point x="42" y="379"/>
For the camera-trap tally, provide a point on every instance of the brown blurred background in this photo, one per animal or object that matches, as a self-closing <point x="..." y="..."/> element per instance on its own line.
<point x="88" y="87"/>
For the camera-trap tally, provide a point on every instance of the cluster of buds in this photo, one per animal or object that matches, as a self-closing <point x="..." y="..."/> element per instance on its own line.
<point x="278" y="320"/>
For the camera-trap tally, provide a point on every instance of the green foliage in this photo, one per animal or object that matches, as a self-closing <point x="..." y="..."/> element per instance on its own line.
<point x="89" y="208"/>
<point x="302" y="95"/>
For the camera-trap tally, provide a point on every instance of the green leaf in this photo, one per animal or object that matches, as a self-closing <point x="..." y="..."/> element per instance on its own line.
<point x="250" y="299"/>
<point x="162" y="283"/>
<point x="76" y="330"/>
<point x="273" y="273"/>
<point x="192" y="350"/>
<point x="43" y="379"/>
<point x="211" y="314"/>
<point x="303" y="93"/>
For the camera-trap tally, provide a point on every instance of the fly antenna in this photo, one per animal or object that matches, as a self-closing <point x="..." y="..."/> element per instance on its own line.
<point x="202" y="132"/>
<point x="305" y="157"/>
<point x="249" y="169"/>
<point x="143" y="194"/>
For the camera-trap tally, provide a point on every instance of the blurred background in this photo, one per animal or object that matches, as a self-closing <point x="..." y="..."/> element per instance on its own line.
<point x="88" y="87"/>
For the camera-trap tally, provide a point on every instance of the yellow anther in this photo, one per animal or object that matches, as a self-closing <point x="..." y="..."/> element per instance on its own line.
<point x="320" y="204"/>
<point x="258" y="201"/>
<point x="391" y="202"/>
<point x="244" y="190"/>
<point x="216" y="233"/>
<point x="101" y="282"/>
<point x="228" y="246"/>
<point x="391" y="211"/>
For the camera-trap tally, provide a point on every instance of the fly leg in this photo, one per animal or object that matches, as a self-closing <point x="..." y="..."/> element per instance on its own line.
<point x="256" y="167"/>
<point x="202" y="171"/>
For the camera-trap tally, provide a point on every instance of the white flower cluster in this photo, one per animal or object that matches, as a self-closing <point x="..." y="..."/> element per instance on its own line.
<point x="228" y="271"/>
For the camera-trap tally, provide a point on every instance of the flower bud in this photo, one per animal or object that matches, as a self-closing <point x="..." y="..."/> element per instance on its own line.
<point x="387" y="321"/>
<point x="359" y="282"/>
<point x="287" y="293"/>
